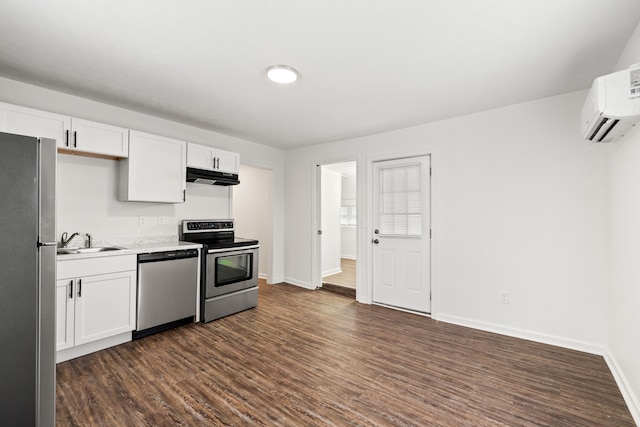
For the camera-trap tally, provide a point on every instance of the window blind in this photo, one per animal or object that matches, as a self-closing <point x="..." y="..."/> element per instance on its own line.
<point x="400" y="204"/>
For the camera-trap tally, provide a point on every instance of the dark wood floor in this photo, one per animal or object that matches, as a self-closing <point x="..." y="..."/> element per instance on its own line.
<point x="306" y="358"/>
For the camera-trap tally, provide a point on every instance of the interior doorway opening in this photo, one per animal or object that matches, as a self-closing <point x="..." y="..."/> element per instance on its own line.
<point x="338" y="225"/>
<point x="252" y="210"/>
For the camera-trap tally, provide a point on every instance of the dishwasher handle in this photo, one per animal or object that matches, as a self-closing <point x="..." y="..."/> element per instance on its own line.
<point x="167" y="256"/>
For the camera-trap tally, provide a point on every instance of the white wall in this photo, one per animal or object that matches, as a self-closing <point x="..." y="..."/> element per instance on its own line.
<point x="252" y="209"/>
<point x="624" y="256"/>
<point x="111" y="218"/>
<point x="348" y="234"/>
<point x="331" y="196"/>
<point x="520" y="205"/>
<point x="348" y="242"/>
<point x="88" y="202"/>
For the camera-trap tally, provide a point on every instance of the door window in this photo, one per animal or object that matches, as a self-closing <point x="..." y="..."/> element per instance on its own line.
<point x="400" y="200"/>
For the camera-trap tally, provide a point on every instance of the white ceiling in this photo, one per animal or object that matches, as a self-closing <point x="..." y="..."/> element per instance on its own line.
<point x="366" y="66"/>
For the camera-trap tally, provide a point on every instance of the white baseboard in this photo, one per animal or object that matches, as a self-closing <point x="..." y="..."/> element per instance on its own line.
<point x="524" y="334"/>
<point x="353" y="257"/>
<point x="295" y="282"/>
<point x="631" y="399"/>
<point x="330" y="272"/>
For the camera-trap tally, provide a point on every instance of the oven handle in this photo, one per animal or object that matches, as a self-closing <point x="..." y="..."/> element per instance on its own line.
<point x="239" y="248"/>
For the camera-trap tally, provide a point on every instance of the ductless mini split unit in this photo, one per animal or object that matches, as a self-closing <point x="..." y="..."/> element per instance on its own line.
<point x="612" y="106"/>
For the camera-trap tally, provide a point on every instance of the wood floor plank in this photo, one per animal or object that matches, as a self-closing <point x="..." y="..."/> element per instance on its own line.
<point x="318" y="358"/>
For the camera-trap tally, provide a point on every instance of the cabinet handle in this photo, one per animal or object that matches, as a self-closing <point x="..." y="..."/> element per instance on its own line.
<point x="184" y="195"/>
<point x="70" y="289"/>
<point x="79" y="288"/>
<point x="75" y="138"/>
<point x="217" y="162"/>
<point x="66" y="138"/>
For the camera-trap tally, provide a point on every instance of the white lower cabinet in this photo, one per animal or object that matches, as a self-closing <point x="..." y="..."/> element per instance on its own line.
<point x="95" y="300"/>
<point x="65" y="316"/>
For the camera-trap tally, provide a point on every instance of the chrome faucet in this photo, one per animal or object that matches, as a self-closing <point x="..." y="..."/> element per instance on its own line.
<point x="89" y="242"/>
<point x="64" y="241"/>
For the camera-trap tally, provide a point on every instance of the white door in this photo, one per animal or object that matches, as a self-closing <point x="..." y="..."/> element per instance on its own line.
<point x="401" y="233"/>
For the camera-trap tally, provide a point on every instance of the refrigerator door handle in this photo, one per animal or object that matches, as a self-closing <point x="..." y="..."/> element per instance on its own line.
<point x="47" y="244"/>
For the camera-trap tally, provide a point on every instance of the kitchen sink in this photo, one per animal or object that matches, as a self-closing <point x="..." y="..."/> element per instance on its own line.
<point x="69" y="251"/>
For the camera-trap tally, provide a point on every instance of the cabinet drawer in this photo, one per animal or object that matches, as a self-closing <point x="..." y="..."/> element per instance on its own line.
<point x="92" y="266"/>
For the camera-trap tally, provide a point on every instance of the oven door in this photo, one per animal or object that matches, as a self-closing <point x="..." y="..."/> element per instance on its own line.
<point x="231" y="270"/>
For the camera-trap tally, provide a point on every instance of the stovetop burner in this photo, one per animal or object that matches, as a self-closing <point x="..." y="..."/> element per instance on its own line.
<point x="213" y="233"/>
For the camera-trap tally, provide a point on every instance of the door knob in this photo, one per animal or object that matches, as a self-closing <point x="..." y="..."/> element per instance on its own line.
<point x="376" y="241"/>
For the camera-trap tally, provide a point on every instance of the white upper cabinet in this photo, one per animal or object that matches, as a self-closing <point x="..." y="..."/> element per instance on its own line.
<point x="98" y="138"/>
<point x="204" y="157"/>
<point x="72" y="134"/>
<point x="30" y="122"/>
<point x="155" y="170"/>
<point x="200" y="156"/>
<point x="227" y="161"/>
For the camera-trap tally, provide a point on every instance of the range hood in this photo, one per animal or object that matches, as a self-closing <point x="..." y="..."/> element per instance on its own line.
<point x="204" y="176"/>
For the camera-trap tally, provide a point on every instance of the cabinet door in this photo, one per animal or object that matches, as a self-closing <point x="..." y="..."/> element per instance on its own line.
<point x="227" y="161"/>
<point x="99" y="138"/>
<point x="200" y="156"/>
<point x="64" y="313"/>
<point x="30" y="122"/>
<point x="155" y="170"/>
<point x="105" y="306"/>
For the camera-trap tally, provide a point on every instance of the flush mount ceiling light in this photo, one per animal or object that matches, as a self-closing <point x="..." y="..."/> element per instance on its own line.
<point x="282" y="74"/>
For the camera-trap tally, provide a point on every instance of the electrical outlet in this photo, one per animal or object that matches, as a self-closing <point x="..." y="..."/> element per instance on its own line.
<point x="504" y="297"/>
<point x="147" y="221"/>
<point x="162" y="220"/>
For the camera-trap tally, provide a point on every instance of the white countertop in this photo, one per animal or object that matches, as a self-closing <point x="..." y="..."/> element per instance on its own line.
<point x="135" y="248"/>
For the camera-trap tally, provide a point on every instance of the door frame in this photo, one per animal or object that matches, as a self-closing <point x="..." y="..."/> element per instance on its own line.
<point x="316" y="217"/>
<point x="366" y="247"/>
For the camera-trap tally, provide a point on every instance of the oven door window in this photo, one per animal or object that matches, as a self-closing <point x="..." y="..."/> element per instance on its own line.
<point x="233" y="269"/>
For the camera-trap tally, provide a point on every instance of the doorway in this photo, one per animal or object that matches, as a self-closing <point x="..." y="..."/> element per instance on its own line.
<point x="252" y="210"/>
<point x="401" y="238"/>
<point x="338" y="225"/>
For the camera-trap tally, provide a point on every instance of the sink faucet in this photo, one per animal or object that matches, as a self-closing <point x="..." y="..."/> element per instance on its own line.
<point x="89" y="240"/>
<point x="64" y="241"/>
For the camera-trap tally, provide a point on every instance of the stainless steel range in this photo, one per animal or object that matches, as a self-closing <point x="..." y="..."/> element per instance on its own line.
<point x="229" y="271"/>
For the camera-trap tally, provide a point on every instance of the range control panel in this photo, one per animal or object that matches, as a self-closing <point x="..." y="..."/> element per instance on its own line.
<point x="195" y="226"/>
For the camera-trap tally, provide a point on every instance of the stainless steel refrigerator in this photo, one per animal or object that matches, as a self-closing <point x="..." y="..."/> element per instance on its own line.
<point x="27" y="280"/>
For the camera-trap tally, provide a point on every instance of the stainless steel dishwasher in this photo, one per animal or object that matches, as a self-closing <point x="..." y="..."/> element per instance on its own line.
<point x="167" y="289"/>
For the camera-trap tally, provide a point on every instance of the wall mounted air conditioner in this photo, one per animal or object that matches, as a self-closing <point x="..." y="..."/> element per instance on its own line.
<point x="612" y="106"/>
